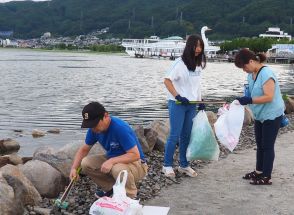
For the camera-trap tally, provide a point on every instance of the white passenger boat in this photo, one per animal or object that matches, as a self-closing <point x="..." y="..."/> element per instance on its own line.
<point x="171" y="47"/>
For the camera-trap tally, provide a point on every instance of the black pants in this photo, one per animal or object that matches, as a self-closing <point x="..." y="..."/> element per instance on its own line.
<point x="265" y="134"/>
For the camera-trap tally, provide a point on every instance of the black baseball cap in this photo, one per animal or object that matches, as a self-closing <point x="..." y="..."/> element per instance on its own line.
<point x="92" y="114"/>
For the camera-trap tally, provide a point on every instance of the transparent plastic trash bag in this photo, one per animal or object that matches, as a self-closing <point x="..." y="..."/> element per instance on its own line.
<point x="229" y="124"/>
<point x="202" y="145"/>
<point x="119" y="204"/>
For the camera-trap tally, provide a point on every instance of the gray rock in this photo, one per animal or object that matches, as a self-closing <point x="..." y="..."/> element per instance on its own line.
<point x="151" y="138"/>
<point x="15" y="159"/>
<point x="57" y="160"/>
<point x="38" y="133"/>
<point x="23" y="188"/>
<point x="54" y="131"/>
<point x="43" y="150"/>
<point x="47" y="180"/>
<point x="289" y="103"/>
<point x="63" y="158"/>
<point x="10" y="159"/>
<point x="162" y="130"/>
<point x="4" y="160"/>
<point x="18" y="130"/>
<point x="71" y="149"/>
<point x="139" y="130"/>
<point x="8" y="146"/>
<point x="26" y="159"/>
<point x="42" y="211"/>
<point x="8" y="204"/>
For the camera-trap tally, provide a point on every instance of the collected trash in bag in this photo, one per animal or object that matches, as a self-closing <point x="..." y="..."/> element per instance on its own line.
<point x="202" y="145"/>
<point x="119" y="204"/>
<point x="229" y="124"/>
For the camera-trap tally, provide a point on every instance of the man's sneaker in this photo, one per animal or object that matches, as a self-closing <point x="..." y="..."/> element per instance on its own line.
<point x="168" y="171"/>
<point x="100" y="193"/>
<point x="188" y="171"/>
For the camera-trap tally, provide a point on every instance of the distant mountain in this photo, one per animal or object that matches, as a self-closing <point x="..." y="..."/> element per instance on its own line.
<point x="142" y="18"/>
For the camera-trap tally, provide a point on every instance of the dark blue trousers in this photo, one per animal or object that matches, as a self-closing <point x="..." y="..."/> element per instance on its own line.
<point x="265" y="134"/>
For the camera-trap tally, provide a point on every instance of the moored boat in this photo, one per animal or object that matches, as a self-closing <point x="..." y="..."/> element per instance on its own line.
<point x="171" y="47"/>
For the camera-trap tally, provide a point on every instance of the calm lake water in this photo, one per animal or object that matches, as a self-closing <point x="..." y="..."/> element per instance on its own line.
<point x="43" y="90"/>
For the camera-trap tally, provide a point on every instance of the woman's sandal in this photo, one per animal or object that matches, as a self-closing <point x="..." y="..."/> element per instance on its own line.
<point x="261" y="181"/>
<point x="251" y="175"/>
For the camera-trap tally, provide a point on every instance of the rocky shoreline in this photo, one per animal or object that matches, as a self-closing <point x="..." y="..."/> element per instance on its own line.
<point x="26" y="181"/>
<point x="82" y="196"/>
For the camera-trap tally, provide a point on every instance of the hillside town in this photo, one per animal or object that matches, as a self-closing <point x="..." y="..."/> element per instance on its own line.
<point x="47" y="40"/>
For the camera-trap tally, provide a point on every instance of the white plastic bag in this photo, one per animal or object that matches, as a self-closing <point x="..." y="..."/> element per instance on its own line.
<point x="202" y="145"/>
<point x="119" y="204"/>
<point x="229" y="124"/>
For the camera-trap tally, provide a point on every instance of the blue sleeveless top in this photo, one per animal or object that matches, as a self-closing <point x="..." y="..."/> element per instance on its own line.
<point x="270" y="110"/>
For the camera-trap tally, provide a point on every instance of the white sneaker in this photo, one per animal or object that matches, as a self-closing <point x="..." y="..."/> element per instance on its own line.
<point x="188" y="171"/>
<point x="168" y="171"/>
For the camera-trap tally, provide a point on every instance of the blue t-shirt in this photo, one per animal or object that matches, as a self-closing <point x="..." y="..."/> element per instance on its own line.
<point x="270" y="110"/>
<point x="118" y="139"/>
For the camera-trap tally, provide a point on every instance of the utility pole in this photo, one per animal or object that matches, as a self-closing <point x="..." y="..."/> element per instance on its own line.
<point x="129" y="24"/>
<point x="291" y="22"/>
<point x="152" y="20"/>
<point x="243" y="19"/>
<point x="177" y="13"/>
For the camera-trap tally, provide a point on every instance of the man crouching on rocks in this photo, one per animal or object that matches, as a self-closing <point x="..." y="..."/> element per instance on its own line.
<point x="123" y="151"/>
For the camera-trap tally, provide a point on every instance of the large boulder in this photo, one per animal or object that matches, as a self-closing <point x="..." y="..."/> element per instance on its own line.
<point x="8" y="204"/>
<point x="162" y="130"/>
<point x="24" y="190"/>
<point x="71" y="149"/>
<point x="63" y="158"/>
<point x="139" y="130"/>
<point x="59" y="161"/>
<point x="47" y="180"/>
<point x="8" y="146"/>
<point x="289" y="103"/>
<point x="151" y="137"/>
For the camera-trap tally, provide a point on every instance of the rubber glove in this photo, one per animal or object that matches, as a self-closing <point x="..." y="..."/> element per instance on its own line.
<point x="201" y="106"/>
<point x="183" y="100"/>
<point x="245" y="100"/>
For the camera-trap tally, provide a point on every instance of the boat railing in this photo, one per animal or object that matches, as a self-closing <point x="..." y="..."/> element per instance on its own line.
<point x="138" y="41"/>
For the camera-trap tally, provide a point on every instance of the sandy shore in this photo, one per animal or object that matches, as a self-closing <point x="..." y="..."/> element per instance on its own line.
<point x="220" y="189"/>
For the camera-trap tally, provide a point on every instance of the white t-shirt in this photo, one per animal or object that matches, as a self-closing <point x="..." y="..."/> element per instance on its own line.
<point x="187" y="83"/>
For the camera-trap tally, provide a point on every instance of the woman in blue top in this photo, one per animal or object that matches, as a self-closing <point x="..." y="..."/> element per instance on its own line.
<point x="265" y="101"/>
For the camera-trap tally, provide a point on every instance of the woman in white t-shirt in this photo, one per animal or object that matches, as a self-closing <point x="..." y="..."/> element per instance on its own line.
<point x="183" y="82"/>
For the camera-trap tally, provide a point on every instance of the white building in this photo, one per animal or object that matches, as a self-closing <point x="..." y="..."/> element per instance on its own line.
<point x="282" y="49"/>
<point x="46" y="35"/>
<point x="276" y="33"/>
<point x="9" y="43"/>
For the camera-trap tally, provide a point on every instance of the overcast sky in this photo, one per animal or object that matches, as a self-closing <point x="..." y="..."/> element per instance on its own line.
<point x="3" y="1"/>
